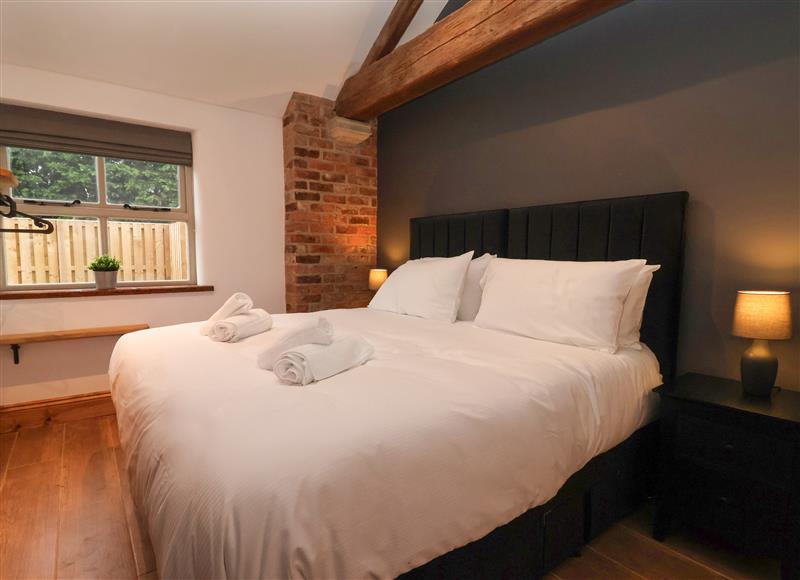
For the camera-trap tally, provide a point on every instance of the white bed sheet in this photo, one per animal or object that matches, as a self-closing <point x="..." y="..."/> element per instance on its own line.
<point x="449" y="432"/>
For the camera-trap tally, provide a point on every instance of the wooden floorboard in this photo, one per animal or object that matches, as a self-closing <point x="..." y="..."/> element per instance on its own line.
<point x="93" y="536"/>
<point x="29" y="521"/>
<point x="37" y="445"/>
<point x="140" y="543"/>
<point x="7" y="441"/>
<point x="67" y="512"/>
<point x="711" y="551"/>
<point x="648" y="558"/>
<point x="592" y="564"/>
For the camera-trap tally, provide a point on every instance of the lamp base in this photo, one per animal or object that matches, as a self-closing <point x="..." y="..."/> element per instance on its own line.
<point x="759" y="369"/>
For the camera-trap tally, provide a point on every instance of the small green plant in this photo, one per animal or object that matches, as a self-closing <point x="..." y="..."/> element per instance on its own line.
<point x="105" y="263"/>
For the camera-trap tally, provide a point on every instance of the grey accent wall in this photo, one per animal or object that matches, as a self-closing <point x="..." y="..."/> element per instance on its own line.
<point x="653" y="96"/>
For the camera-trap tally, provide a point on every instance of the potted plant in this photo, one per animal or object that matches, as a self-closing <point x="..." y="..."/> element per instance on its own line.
<point x="105" y="269"/>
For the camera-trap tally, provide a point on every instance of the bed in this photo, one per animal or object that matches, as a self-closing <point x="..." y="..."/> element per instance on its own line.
<point x="455" y="452"/>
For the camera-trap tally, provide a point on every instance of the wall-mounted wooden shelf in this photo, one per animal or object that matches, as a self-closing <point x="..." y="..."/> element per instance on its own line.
<point x="15" y="340"/>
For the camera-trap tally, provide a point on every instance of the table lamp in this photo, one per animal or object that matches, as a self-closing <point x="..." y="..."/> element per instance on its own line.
<point x="762" y="316"/>
<point x="377" y="276"/>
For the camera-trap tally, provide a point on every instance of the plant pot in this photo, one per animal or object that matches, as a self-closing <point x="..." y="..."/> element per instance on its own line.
<point x="105" y="279"/>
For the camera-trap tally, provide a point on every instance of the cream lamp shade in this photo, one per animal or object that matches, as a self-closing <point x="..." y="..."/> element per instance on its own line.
<point x="763" y="315"/>
<point x="377" y="276"/>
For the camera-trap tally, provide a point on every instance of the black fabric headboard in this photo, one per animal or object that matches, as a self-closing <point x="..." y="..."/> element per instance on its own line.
<point x="451" y="235"/>
<point x="645" y="226"/>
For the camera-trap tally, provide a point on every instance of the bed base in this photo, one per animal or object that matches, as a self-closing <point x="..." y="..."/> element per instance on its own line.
<point x="608" y="488"/>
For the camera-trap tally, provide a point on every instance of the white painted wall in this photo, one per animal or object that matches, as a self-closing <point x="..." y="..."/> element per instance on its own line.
<point x="239" y="209"/>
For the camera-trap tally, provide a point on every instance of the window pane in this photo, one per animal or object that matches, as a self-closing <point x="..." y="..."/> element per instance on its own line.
<point x="149" y="250"/>
<point x="60" y="257"/>
<point x="142" y="183"/>
<point x="52" y="175"/>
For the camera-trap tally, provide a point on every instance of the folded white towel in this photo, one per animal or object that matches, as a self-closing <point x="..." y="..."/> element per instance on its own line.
<point x="235" y="328"/>
<point x="314" y="362"/>
<point x="239" y="303"/>
<point x="314" y="331"/>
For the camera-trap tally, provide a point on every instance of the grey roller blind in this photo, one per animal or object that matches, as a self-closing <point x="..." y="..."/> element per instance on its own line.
<point x="41" y="129"/>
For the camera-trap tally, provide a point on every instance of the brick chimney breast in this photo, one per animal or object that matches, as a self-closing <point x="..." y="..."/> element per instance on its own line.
<point x="331" y="207"/>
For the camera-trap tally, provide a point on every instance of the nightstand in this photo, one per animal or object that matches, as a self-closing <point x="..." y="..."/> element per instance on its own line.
<point x="730" y="464"/>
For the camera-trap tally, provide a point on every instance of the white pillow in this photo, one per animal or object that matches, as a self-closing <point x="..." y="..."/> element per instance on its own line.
<point x="632" y="312"/>
<point x="471" y="295"/>
<point x="425" y="288"/>
<point x="578" y="303"/>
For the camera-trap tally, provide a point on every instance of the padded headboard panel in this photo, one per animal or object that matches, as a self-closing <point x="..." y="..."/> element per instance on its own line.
<point x="647" y="226"/>
<point x="451" y="235"/>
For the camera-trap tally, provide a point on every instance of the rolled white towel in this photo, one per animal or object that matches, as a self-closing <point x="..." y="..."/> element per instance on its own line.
<point x="314" y="331"/>
<point x="239" y="303"/>
<point x="235" y="328"/>
<point x="314" y="362"/>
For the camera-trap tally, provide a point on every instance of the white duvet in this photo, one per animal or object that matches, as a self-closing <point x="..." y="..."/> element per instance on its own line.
<point x="447" y="433"/>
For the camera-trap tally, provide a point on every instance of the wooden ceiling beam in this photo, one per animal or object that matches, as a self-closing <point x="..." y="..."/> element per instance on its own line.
<point x="474" y="36"/>
<point x="393" y="29"/>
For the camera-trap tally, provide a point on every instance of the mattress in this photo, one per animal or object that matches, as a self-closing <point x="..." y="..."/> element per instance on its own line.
<point x="449" y="432"/>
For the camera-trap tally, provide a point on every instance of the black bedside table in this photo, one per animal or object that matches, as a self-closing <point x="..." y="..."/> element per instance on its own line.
<point x="731" y="464"/>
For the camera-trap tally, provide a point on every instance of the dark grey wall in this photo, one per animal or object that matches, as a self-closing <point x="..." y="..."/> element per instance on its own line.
<point x="653" y="96"/>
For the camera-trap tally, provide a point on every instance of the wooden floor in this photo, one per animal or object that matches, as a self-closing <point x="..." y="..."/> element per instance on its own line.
<point x="66" y="512"/>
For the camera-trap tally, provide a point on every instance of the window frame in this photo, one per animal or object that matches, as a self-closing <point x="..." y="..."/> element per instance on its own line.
<point x="103" y="211"/>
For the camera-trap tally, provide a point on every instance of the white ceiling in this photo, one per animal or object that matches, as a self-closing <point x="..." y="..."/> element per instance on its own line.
<point x="244" y="55"/>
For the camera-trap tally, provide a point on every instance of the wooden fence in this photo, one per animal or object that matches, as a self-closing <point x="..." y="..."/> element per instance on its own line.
<point x="148" y="251"/>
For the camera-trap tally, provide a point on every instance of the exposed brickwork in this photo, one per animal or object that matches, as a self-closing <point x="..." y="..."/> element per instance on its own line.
<point x="331" y="210"/>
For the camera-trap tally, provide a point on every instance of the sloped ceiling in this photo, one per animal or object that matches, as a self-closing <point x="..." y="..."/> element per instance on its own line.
<point x="243" y="55"/>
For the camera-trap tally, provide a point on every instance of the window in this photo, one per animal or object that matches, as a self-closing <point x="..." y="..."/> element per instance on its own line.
<point x="138" y="211"/>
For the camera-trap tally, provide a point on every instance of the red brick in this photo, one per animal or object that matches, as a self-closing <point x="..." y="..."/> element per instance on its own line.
<point x="307" y="174"/>
<point x="309" y="279"/>
<point x="310" y="298"/>
<point x="334" y="177"/>
<point x="366" y="171"/>
<point x="321" y="144"/>
<point x="332" y="156"/>
<point x="357" y="200"/>
<point x="294" y="227"/>
<point x="302" y="152"/>
<point x="302" y="238"/>
<point x="345" y="188"/>
<point x="323" y="249"/>
<point x="323" y="207"/>
<point x="361" y="180"/>
<point x="321" y="165"/>
<point x="307" y="259"/>
<point x="321" y="228"/>
<point x="323" y="187"/>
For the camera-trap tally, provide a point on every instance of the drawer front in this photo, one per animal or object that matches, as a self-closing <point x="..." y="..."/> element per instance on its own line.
<point x="563" y="531"/>
<point x="741" y="452"/>
<point x="714" y="502"/>
<point x="746" y="512"/>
